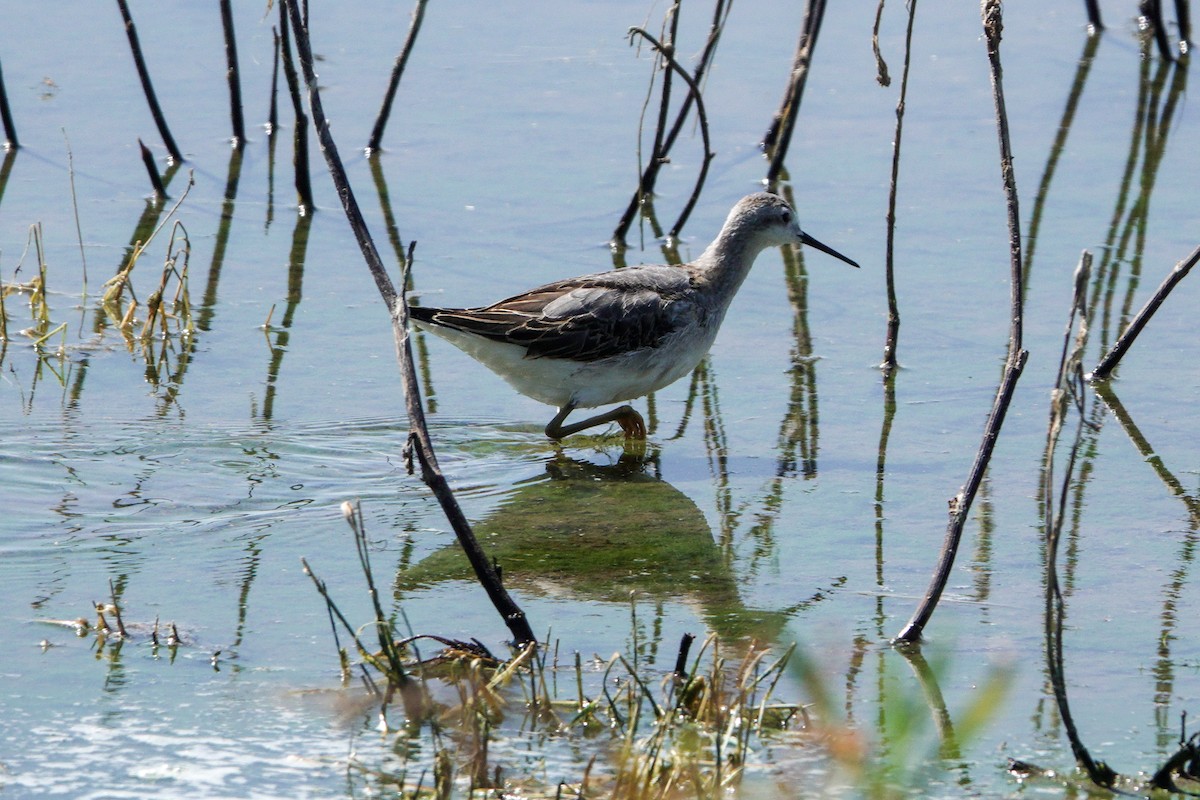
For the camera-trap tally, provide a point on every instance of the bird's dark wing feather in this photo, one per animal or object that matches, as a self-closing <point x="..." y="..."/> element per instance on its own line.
<point x="585" y="319"/>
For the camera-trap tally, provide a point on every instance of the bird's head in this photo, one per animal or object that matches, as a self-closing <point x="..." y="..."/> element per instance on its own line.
<point x="768" y="221"/>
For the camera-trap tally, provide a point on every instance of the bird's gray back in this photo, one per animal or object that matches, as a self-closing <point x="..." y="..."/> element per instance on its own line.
<point x="586" y="318"/>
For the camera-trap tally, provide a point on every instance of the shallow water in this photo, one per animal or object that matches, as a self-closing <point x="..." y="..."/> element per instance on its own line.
<point x="195" y="477"/>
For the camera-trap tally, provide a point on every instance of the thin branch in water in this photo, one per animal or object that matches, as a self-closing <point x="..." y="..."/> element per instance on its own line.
<point x="648" y="175"/>
<point x="273" y="114"/>
<point x="148" y="87"/>
<point x="155" y="179"/>
<point x="10" y="128"/>
<point x="666" y="51"/>
<point x="891" y="340"/>
<point x="1184" y="17"/>
<point x="231" y="74"/>
<point x="420" y="441"/>
<point x="1125" y="341"/>
<point x="1068" y="381"/>
<point x="385" y="111"/>
<point x="960" y="504"/>
<point x="336" y="613"/>
<point x="881" y="70"/>
<point x="1152" y="21"/>
<point x="1093" y="15"/>
<point x="300" y="139"/>
<point x="703" y="118"/>
<point x="112" y="593"/>
<point x="779" y="136"/>
<point x="643" y="196"/>
<point x="1083" y="273"/>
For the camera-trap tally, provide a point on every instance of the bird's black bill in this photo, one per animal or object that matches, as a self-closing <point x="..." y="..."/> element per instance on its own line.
<point x="824" y="248"/>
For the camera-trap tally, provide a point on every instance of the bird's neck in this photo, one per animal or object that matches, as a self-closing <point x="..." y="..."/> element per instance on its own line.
<point x="725" y="263"/>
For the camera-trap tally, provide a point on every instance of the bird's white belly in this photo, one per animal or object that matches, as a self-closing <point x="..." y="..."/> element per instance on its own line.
<point x="558" y="381"/>
<point x="636" y="374"/>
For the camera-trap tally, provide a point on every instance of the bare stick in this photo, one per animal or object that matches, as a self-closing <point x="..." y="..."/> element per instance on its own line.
<point x="960" y="504"/>
<point x="6" y="166"/>
<point x="720" y="14"/>
<point x="10" y="128"/>
<point x="273" y="114"/>
<point x="881" y="70"/>
<point x="1068" y="382"/>
<point x="397" y="70"/>
<point x="893" y="324"/>
<point x="148" y="87"/>
<point x="1184" y="18"/>
<point x="1093" y="15"/>
<point x="1125" y="341"/>
<point x="658" y="155"/>
<point x="658" y="152"/>
<point x="1152" y="15"/>
<point x="155" y="179"/>
<point x="993" y="26"/>
<point x="419" y="438"/>
<point x="112" y="593"/>
<point x="231" y="74"/>
<point x="799" y="62"/>
<point x="685" y="645"/>
<point x="779" y="137"/>
<point x="701" y="115"/>
<point x="300" y="138"/>
<point x="642" y="197"/>
<point x="1083" y="273"/>
<point x="335" y="612"/>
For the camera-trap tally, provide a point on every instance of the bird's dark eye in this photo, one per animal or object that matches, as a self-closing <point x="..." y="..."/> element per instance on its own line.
<point x="785" y="217"/>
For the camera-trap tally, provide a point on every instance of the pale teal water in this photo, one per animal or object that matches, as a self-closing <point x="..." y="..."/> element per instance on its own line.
<point x="509" y="158"/>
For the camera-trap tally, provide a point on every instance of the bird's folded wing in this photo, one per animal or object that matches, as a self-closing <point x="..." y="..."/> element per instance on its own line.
<point x="583" y="319"/>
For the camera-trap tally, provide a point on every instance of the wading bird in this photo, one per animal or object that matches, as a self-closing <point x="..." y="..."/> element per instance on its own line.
<point x="612" y="336"/>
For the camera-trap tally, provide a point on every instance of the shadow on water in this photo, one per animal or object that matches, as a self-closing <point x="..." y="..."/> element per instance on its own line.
<point x="604" y="533"/>
<point x="209" y="302"/>
<point x="295" y="286"/>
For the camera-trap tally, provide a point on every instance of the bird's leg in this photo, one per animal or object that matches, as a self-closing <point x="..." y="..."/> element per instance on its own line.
<point x="626" y="416"/>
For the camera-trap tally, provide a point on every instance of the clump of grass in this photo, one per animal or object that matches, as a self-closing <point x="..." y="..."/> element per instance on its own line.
<point x="697" y="737"/>
<point x="109" y="629"/>
<point x="168" y="308"/>
<point x="39" y="307"/>
<point x="172" y="318"/>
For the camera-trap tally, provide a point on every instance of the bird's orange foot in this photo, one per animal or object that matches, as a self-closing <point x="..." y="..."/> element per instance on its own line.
<point x="632" y="423"/>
